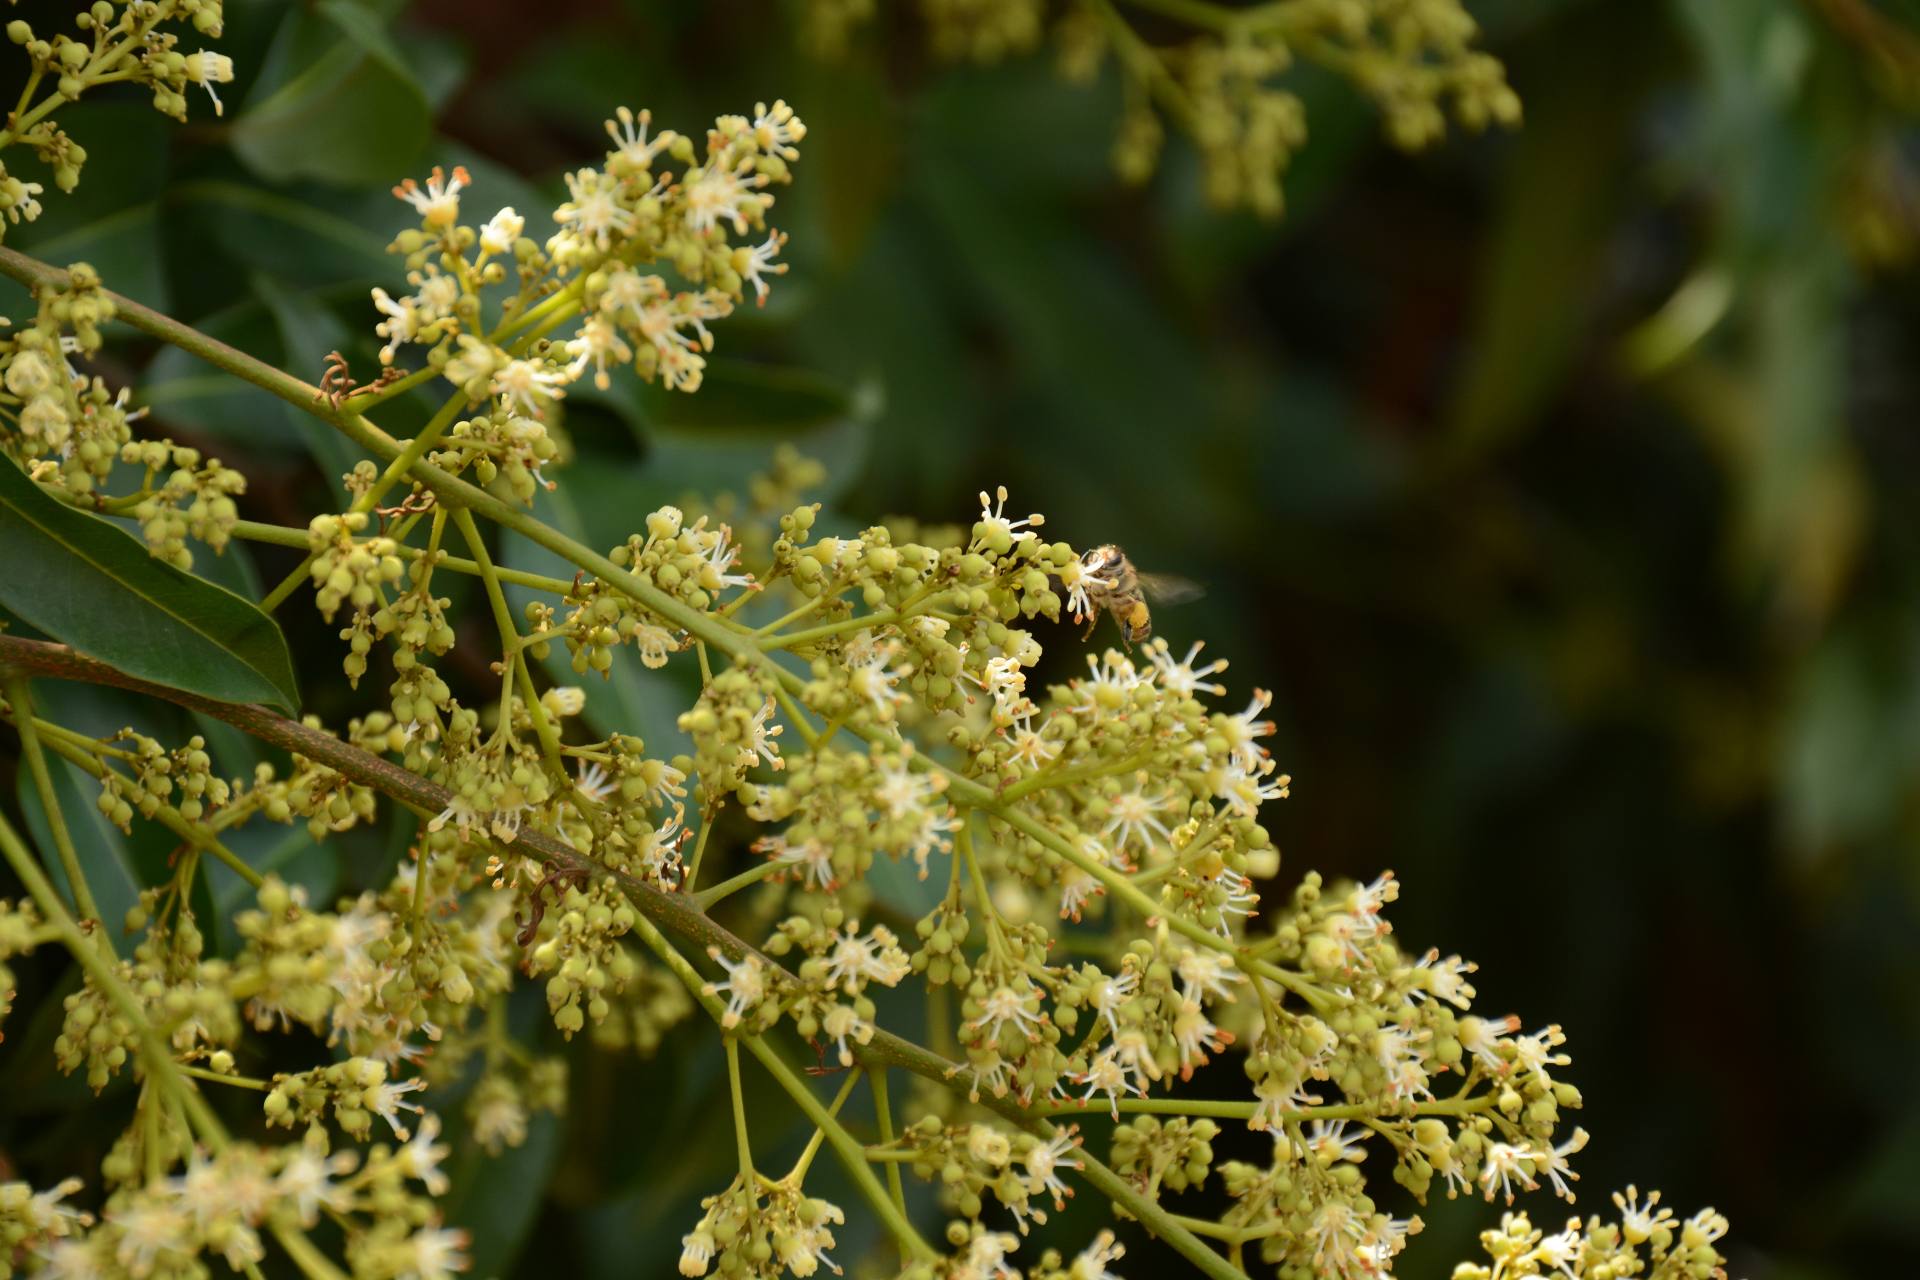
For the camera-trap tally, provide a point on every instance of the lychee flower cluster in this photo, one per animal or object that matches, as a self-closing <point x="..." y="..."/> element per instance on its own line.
<point x="1100" y="919"/>
<point x="136" y="42"/>
<point x="1218" y="72"/>
<point x="659" y="199"/>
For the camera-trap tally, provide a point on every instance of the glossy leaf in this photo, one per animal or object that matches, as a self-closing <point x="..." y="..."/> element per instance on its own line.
<point x="88" y="584"/>
<point x="345" y="108"/>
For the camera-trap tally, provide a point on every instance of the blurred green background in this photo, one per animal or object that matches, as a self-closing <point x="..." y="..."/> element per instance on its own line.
<point x="1563" y="485"/>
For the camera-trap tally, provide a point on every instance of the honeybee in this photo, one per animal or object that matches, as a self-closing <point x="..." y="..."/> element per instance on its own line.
<point x="1109" y="581"/>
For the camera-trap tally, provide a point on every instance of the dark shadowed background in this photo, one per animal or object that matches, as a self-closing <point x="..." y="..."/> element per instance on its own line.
<point x="1564" y="486"/>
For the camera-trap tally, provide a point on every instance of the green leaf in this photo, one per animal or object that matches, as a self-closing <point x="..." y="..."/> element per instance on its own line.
<point x="89" y="585"/>
<point x="308" y="332"/>
<point x="754" y="399"/>
<point x="111" y="220"/>
<point x="495" y="1198"/>
<point x="1550" y="241"/>
<point x="344" y="107"/>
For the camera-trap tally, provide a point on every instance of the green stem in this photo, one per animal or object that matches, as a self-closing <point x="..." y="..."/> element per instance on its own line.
<point x="509" y="639"/>
<point x="678" y="912"/>
<point x="73" y="747"/>
<point x="739" y="1112"/>
<point x="397" y="468"/>
<point x="726" y="888"/>
<point x="239" y="1082"/>
<point x="883" y="1110"/>
<point x="797" y="1175"/>
<point x="852" y="1155"/>
<point x="283" y="536"/>
<point x="18" y="696"/>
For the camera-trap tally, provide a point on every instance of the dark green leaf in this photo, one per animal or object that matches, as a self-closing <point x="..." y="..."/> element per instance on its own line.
<point x="89" y="585"/>
<point x="495" y="1198"/>
<point x="344" y="107"/>
<point x="110" y="221"/>
<point x="309" y="332"/>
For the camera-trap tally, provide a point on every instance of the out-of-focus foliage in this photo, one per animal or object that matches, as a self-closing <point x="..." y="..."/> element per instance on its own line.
<point x="1564" y="485"/>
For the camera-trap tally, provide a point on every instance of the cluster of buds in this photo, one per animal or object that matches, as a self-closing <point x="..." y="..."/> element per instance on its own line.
<point x="182" y="780"/>
<point x="348" y="569"/>
<point x="619" y="218"/>
<point x="221" y="1204"/>
<point x="1647" y="1241"/>
<point x="196" y="500"/>
<point x="1217" y="72"/>
<point x="761" y="1232"/>
<point x="125" y="42"/>
<point x="1022" y="1171"/>
<point x="69" y="430"/>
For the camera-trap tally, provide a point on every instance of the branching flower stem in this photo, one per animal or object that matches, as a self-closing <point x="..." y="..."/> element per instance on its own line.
<point x="19" y="699"/>
<point x="851" y="1153"/>
<point x="162" y="1071"/>
<point x="677" y="912"/>
<point x="723" y="635"/>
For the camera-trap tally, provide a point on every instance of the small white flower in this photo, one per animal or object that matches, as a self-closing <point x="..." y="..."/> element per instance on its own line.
<point x="1207" y="973"/>
<point x="1006" y="1007"/>
<point x="597" y="343"/>
<point x="1501" y="1170"/>
<point x="1106" y="1074"/>
<point x="757" y="263"/>
<point x="630" y="141"/>
<point x="1639" y="1221"/>
<point x="993" y="519"/>
<point x="696" y="1252"/>
<point x="1552" y="1161"/>
<point x="714" y="195"/>
<point x="1329" y="1143"/>
<point x="776" y="129"/>
<point x="421" y="1157"/>
<point x="1243" y="732"/>
<point x="388" y="1103"/>
<point x="1182" y="677"/>
<point x="592" y="781"/>
<point x="1561" y="1251"/>
<point x="812" y="858"/>
<point x="1091" y="1264"/>
<point x="208" y="69"/>
<point x="527" y="385"/>
<point x="17" y="198"/>
<point x="841" y="1021"/>
<point x="149" y="1230"/>
<point x="1110" y="993"/>
<point x="1444" y="979"/>
<point x="592" y="215"/>
<point x="306" y="1181"/>
<point x="760" y="739"/>
<point x="1197" y="1037"/>
<point x="501" y="231"/>
<point x="435" y="1253"/>
<point x="745" y="985"/>
<point x="1077" y="888"/>
<point x="855" y="961"/>
<point x="1044" y="1160"/>
<point x="438" y="204"/>
<point x="1135" y="815"/>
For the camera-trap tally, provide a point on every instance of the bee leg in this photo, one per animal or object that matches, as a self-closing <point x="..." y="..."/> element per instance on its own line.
<point x="1092" y="622"/>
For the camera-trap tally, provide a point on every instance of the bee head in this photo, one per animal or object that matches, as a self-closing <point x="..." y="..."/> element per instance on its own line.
<point x="1102" y="559"/>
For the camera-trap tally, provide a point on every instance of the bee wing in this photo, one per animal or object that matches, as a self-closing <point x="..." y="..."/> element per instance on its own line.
<point x="1168" y="588"/>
